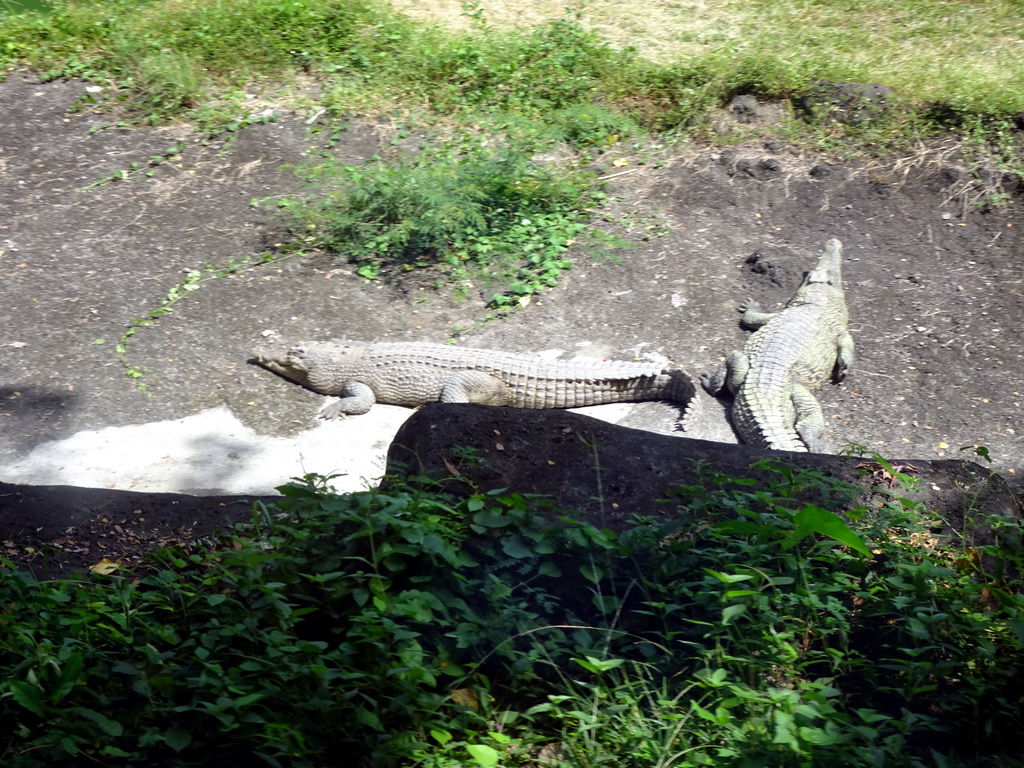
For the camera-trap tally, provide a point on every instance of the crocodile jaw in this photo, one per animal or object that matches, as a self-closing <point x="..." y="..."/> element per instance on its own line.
<point x="829" y="269"/>
<point x="282" y="362"/>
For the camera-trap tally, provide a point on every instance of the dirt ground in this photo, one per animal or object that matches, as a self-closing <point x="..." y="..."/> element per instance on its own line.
<point x="935" y="285"/>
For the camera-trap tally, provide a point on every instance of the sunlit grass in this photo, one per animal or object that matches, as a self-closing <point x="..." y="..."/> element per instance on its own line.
<point x="967" y="54"/>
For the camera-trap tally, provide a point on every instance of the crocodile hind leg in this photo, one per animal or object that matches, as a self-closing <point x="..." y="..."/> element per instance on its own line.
<point x="810" y="420"/>
<point x="475" y="387"/>
<point x="728" y="376"/>
<point x="753" y="316"/>
<point x="844" y="356"/>
<point x="356" y="398"/>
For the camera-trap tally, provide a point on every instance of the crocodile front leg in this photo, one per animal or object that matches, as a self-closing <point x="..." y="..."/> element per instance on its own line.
<point x="844" y="356"/>
<point x="356" y="398"/>
<point x="475" y="387"/>
<point x="810" y="420"/>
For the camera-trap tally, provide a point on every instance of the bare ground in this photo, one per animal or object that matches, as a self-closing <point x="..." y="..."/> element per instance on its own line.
<point x="935" y="285"/>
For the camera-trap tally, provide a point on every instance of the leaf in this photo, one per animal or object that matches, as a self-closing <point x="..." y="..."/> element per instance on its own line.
<point x="812" y="518"/>
<point x="491" y="519"/>
<point x="105" y="567"/>
<point x="717" y="677"/>
<point x="177" y="738"/>
<point x="703" y="713"/>
<point x="598" y="666"/>
<point x="732" y="612"/>
<point x="515" y="547"/>
<point x="548" y="568"/>
<point x="740" y="593"/>
<point x="69" y="675"/>
<point x="249" y="698"/>
<point x="441" y="737"/>
<point x="467" y="697"/>
<point x="108" y="725"/>
<point x="27" y="695"/>
<point x="729" y="578"/>
<point x="484" y="755"/>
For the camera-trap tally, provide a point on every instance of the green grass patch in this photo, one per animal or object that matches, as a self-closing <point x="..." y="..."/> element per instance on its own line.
<point x="482" y="214"/>
<point x="171" y="54"/>
<point x="748" y="630"/>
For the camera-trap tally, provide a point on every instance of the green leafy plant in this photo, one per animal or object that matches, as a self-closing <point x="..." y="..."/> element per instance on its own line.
<point x="482" y="214"/>
<point x="747" y="628"/>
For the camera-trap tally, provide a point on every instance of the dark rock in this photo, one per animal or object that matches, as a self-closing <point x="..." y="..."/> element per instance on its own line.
<point x="608" y="474"/>
<point x="760" y="168"/>
<point x="62" y="523"/>
<point x="744" y="108"/>
<point x="850" y="103"/>
<point x="760" y="263"/>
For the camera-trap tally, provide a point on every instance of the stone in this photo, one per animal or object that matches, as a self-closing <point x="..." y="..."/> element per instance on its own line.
<point x="849" y="103"/>
<point x="607" y="474"/>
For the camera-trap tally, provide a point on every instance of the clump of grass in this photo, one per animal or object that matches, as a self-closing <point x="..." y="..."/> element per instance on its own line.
<point x="929" y="50"/>
<point x="481" y="213"/>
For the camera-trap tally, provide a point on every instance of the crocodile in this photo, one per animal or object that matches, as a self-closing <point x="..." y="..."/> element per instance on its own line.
<point x="417" y="373"/>
<point x="790" y="353"/>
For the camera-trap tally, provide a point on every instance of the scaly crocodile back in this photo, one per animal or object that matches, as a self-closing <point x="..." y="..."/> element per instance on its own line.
<point x="799" y="345"/>
<point x="413" y="373"/>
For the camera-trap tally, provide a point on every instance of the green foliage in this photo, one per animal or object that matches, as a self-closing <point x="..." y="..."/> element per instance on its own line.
<point x="485" y="214"/>
<point x="748" y="630"/>
<point x="552" y="66"/>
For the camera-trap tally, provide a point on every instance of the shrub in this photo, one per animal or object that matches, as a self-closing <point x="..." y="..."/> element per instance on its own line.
<point x="489" y="214"/>
<point x="378" y="629"/>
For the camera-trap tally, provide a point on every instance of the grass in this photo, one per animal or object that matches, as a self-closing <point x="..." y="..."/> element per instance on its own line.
<point x="964" y="54"/>
<point x="967" y="53"/>
<point x="484" y="215"/>
<point x="746" y="628"/>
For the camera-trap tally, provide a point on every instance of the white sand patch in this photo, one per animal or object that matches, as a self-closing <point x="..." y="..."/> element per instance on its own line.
<point x="212" y="453"/>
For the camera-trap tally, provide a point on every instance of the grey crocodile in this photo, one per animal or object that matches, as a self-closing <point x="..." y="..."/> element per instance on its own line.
<point x="417" y="373"/>
<point x="790" y="353"/>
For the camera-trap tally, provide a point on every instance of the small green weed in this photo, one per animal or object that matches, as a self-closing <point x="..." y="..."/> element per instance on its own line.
<point x="193" y="280"/>
<point x="148" y="169"/>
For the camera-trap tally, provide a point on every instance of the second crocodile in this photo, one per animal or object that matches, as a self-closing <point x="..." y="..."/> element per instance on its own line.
<point x="790" y="353"/>
<point x="417" y="373"/>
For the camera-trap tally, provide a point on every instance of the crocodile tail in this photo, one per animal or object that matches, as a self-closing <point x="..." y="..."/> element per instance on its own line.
<point x="680" y="389"/>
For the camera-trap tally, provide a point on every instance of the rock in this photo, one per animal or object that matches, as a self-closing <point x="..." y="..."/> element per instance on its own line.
<point x="760" y="168"/>
<point x="61" y="524"/>
<point x="850" y="103"/>
<point x="744" y="108"/>
<point x="608" y="473"/>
